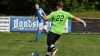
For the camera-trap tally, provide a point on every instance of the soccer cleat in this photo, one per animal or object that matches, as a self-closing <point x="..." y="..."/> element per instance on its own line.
<point x="54" y="52"/>
<point x="48" y="54"/>
<point x="35" y="41"/>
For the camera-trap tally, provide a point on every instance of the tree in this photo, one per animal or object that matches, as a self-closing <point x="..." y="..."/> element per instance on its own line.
<point x="26" y="7"/>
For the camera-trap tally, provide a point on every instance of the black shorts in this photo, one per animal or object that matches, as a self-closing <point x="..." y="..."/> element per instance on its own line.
<point x="52" y="37"/>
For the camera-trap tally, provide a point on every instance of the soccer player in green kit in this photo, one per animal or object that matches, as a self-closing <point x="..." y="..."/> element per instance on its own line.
<point x="59" y="18"/>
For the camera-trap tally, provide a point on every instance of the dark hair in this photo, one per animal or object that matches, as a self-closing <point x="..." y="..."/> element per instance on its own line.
<point x="60" y="4"/>
<point x="36" y="3"/>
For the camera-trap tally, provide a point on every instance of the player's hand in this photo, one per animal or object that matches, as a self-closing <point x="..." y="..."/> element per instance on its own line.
<point x="45" y="23"/>
<point x="40" y="13"/>
<point x="83" y="23"/>
<point x="30" y="22"/>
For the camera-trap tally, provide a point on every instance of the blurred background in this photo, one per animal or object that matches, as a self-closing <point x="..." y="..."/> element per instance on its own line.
<point x="26" y="7"/>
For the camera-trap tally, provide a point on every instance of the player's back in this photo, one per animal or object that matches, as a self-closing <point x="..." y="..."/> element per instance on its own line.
<point x="59" y="19"/>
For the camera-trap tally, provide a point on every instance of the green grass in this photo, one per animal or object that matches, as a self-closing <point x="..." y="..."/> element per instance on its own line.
<point x="87" y="14"/>
<point x="18" y="44"/>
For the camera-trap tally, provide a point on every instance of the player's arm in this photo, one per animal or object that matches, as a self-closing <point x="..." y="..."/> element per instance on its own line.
<point x="76" y="18"/>
<point x="44" y="20"/>
<point x="44" y="17"/>
<point x="32" y="19"/>
<point x="47" y="17"/>
<point x="80" y="20"/>
<point x="44" y="14"/>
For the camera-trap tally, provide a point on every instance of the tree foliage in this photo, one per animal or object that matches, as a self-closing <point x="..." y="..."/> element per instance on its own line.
<point x="26" y="7"/>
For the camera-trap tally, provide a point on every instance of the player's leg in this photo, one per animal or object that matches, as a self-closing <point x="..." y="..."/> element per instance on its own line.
<point x="50" y="40"/>
<point x="37" y="35"/>
<point x="40" y="28"/>
<point x="55" y="50"/>
<point x="56" y="38"/>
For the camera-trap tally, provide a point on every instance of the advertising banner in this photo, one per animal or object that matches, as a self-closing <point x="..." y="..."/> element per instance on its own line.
<point x="4" y="24"/>
<point x="23" y="24"/>
<point x="67" y="27"/>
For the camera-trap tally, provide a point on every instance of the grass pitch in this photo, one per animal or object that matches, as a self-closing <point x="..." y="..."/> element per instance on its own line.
<point x="18" y="44"/>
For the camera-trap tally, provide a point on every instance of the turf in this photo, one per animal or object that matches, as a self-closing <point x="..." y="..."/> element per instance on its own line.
<point x="18" y="44"/>
<point x="87" y="14"/>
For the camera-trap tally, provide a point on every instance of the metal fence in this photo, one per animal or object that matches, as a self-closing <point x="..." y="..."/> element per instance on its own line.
<point x="93" y="26"/>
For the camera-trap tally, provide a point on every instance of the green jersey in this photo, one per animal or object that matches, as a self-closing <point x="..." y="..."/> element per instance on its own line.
<point x="58" y="20"/>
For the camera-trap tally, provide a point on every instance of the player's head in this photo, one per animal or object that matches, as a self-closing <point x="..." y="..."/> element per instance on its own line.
<point x="59" y="5"/>
<point x="37" y="6"/>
